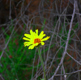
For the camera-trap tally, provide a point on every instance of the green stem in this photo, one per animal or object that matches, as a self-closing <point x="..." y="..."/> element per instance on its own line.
<point x="42" y="62"/>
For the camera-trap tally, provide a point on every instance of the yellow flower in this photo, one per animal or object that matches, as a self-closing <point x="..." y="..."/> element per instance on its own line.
<point x="33" y="39"/>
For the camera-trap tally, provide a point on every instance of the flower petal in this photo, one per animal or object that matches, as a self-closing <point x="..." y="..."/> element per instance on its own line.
<point x="42" y="32"/>
<point x="26" y="39"/>
<point x="41" y="36"/>
<point x="31" y="32"/>
<point x="36" y="31"/>
<point x="46" y="38"/>
<point x="27" y="43"/>
<point x="42" y="43"/>
<point x="32" y="46"/>
<point x="27" y="35"/>
<point x="36" y="44"/>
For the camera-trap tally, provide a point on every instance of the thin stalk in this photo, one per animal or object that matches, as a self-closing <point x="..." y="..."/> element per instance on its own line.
<point x="42" y="62"/>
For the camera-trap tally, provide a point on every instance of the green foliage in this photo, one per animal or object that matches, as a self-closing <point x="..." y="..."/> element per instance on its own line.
<point x="17" y="62"/>
<point x="16" y="59"/>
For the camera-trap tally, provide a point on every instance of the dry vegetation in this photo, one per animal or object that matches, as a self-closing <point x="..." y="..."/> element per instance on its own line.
<point x="60" y="19"/>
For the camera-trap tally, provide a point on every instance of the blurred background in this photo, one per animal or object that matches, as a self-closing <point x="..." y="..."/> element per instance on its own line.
<point x="59" y="19"/>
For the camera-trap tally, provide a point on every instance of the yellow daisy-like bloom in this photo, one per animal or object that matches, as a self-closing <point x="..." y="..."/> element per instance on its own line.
<point x="33" y="39"/>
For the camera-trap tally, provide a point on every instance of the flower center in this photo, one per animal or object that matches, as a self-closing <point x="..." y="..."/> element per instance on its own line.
<point x="37" y="40"/>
